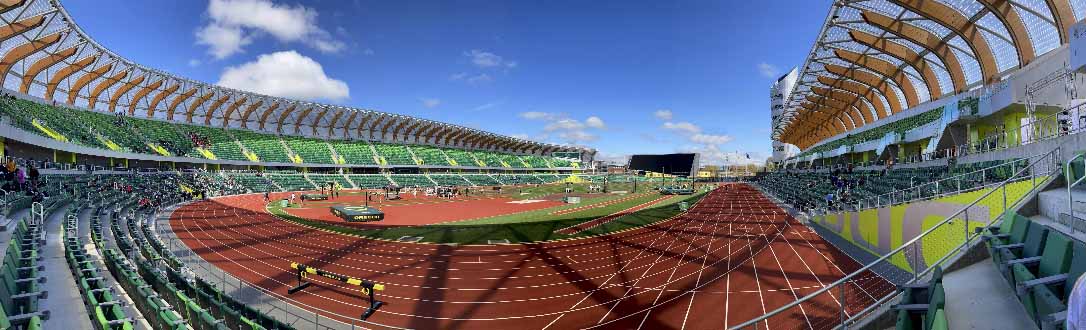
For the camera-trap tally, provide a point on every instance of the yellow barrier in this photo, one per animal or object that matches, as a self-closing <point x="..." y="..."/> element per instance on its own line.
<point x="367" y="287"/>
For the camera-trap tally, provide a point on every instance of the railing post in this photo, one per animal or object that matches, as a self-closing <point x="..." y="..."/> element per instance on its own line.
<point x="966" y="225"/>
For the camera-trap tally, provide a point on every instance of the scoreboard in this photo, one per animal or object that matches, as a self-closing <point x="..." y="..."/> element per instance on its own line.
<point x="357" y="213"/>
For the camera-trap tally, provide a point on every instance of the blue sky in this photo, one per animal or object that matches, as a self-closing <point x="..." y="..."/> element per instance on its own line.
<point x="621" y="76"/>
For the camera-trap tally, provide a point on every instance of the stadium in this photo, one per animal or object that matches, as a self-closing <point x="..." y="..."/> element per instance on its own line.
<point x="926" y="172"/>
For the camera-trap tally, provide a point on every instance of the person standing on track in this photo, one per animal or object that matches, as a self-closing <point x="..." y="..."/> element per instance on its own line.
<point x="291" y="198"/>
<point x="267" y="197"/>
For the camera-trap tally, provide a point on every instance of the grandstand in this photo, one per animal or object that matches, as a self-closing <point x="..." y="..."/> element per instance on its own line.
<point x="927" y="173"/>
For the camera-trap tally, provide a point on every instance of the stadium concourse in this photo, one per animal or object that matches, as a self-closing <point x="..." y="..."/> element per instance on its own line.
<point x="733" y="256"/>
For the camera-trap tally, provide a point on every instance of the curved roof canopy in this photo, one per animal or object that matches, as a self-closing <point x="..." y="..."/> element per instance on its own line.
<point x="875" y="58"/>
<point x="43" y="53"/>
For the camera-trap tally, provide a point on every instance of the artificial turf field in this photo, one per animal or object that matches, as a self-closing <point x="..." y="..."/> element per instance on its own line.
<point x="518" y="214"/>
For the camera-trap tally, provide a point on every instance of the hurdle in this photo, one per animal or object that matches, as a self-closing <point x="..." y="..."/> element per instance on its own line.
<point x="367" y="287"/>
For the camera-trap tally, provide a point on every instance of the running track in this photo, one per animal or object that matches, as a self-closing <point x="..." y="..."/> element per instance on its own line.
<point x="732" y="257"/>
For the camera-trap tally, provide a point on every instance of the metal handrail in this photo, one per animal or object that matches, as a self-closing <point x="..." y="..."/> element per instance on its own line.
<point x="1068" y="171"/>
<point x="1053" y="153"/>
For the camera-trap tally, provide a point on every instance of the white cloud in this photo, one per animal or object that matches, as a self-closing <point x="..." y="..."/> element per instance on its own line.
<point x="194" y="63"/>
<point x="479" y="79"/>
<point x="488" y="106"/>
<point x="430" y="102"/>
<point x="538" y="115"/>
<point x="564" y="125"/>
<point x="368" y="52"/>
<point x="458" y="76"/>
<point x="568" y="130"/>
<point x="285" y="74"/>
<point x="484" y="59"/>
<point x="710" y="139"/>
<point x="682" y="127"/>
<point x="223" y="41"/>
<point x="768" y="70"/>
<point x="662" y="114"/>
<point x="576" y="136"/>
<point x="234" y="23"/>
<point x="594" y="122"/>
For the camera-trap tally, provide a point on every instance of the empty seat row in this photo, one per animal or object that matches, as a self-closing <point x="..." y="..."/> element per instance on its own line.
<point x="21" y="289"/>
<point x="99" y="298"/>
<point x="1040" y="262"/>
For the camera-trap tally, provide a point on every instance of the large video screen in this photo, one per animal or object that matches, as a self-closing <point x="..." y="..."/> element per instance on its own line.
<point x="674" y="164"/>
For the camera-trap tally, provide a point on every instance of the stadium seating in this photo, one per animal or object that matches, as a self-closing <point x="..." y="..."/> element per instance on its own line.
<point x="311" y="150"/>
<point x="449" y="180"/>
<point x="459" y="157"/>
<point x="164" y="135"/>
<point x="482" y="180"/>
<point x="158" y="137"/>
<point x="354" y="152"/>
<point x="100" y="300"/>
<point x="429" y="155"/>
<point x="899" y="126"/>
<point x="394" y="154"/>
<point x="488" y="159"/>
<point x="413" y="180"/>
<point x="291" y="182"/>
<point x="323" y="179"/>
<point x="536" y="161"/>
<point x="922" y="305"/>
<point x="21" y="290"/>
<point x="513" y="161"/>
<point x="219" y="142"/>
<point x="267" y="147"/>
<point x="369" y="181"/>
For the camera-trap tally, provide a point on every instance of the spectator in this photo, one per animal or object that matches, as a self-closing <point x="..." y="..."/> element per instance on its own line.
<point x="20" y="179"/>
<point x="34" y="175"/>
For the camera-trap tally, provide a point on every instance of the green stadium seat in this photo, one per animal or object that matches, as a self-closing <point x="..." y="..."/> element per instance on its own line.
<point x="1027" y="250"/>
<point x="1055" y="260"/>
<point x="311" y="150"/>
<point x="1046" y="297"/>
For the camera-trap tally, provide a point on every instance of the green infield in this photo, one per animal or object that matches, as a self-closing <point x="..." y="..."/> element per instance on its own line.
<point x="531" y="226"/>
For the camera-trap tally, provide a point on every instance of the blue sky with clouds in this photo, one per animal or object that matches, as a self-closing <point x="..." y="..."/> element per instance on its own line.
<point x="620" y="76"/>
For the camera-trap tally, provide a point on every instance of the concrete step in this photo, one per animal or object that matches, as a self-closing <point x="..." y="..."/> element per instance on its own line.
<point x="977" y="297"/>
<point x="1054" y="202"/>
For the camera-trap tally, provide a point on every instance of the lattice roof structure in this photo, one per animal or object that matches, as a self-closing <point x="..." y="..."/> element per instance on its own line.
<point x="43" y="53"/>
<point x="875" y="58"/>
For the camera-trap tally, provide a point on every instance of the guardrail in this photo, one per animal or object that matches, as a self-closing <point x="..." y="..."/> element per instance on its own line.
<point x="858" y="294"/>
<point x="1064" y="122"/>
<point x="285" y="309"/>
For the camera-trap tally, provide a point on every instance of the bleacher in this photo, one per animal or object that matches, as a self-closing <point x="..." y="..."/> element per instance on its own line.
<point x="165" y="135"/>
<point x="311" y="150"/>
<point x="105" y="308"/>
<point x="449" y="180"/>
<point x="482" y="180"/>
<point x="291" y="182"/>
<point x="220" y="143"/>
<point x="394" y="154"/>
<point x="488" y="159"/>
<point x="460" y="157"/>
<point x="267" y="147"/>
<point x="513" y="161"/>
<point x="429" y="155"/>
<point x="323" y="179"/>
<point x="369" y="181"/>
<point x="412" y="180"/>
<point x="536" y="161"/>
<point x="21" y="290"/>
<point x="354" y="152"/>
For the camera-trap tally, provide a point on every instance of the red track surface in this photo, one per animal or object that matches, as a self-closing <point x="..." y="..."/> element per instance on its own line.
<point x="733" y="256"/>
